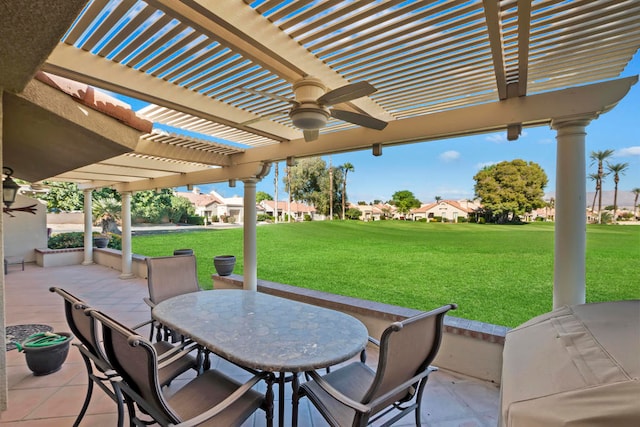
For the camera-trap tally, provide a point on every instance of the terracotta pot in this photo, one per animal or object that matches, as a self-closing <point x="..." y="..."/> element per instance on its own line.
<point x="224" y="264"/>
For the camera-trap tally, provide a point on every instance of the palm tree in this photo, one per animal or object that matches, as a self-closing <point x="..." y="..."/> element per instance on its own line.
<point x="438" y="198"/>
<point x="616" y="169"/>
<point x="108" y="210"/>
<point x="347" y="167"/>
<point x="599" y="157"/>
<point x="635" y="191"/>
<point x="594" y="177"/>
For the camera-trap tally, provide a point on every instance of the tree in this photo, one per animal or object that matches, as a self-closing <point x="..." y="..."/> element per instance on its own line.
<point x="353" y="213"/>
<point x="594" y="177"/>
<point x="261" y="195"/>
<point x="62" y="196"/>
<point x="346" y="168"/>
<point x="309" y="181"/>
<point x="107" y="211"/>
<point x="635" y="191"/>
<point x="180" y="210"/>
<point x="404" y="201"/>
<point x="438" y="198"/>
<point x="509" y="189"/>
<point x="616" y="169"/>
<point x="599" y="157"/>
<point x="151" y="207"/>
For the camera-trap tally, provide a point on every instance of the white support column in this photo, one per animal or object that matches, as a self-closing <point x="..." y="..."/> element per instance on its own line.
<point x="571" y="213"/>
<point x="126" y="236"/>
<point x="88" y="228"/>
<point x="250" y="251"/>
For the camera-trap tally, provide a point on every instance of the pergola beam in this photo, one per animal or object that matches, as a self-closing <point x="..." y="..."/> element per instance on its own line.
<point x="76" y="64"/>
<point x="245" y="31"/>
<point x="533" y="110"/>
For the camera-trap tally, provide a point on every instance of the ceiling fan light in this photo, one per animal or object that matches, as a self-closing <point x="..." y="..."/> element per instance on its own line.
<point x="309" y="119"/>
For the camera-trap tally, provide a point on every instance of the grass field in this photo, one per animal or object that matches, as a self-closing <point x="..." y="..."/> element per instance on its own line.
<point x="499" y="274"/>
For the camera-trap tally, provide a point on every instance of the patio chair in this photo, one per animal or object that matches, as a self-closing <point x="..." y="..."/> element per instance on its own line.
<point x="168" y="277"/>
<point x="210" y="399"/>
<point x="356" y="395"/>
<point x="99" y="370"/>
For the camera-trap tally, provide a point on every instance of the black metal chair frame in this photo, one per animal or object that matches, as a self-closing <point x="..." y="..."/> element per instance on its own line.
<point x="412" y="388"/>
<point x="165" y="417"/>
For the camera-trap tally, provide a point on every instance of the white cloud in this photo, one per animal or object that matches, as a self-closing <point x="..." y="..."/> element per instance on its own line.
<point x="449" y="156"/>
<point x="628" y="152"/>
<point x="484" y="165"/>
<point x="497" y="137"/>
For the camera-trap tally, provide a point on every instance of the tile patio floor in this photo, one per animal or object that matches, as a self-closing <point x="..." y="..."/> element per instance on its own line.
<point x="54" y="400"/>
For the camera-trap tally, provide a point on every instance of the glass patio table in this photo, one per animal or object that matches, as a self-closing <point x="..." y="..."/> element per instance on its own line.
<point x="264" y="332"/>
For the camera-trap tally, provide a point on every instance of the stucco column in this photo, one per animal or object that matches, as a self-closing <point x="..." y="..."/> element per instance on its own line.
<point x="249" y="250"/>
<point x="571" y="213"/>
<point x="126" y="236"/>
<point x="88" y="228"/>
<point x="4" y="392"/>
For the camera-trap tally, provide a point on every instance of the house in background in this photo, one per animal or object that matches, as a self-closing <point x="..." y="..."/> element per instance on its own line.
<point x="447" y="210"/>
<point x="297" y="210"/>
<point x="214" y="207"/>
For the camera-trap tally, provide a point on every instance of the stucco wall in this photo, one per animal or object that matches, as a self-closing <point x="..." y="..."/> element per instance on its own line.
<point x="25" y="232"/>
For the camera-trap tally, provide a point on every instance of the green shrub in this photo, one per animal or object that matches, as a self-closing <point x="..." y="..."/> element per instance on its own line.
<point x="462" y="219"/>
<point x="422" y="220"/>
<point x="195" y="220"/>
<point x="264" y="217"/>
<point x="66" y="240"/>
<point x="115" y="241"/>
<point x="307" y="217"/>
<point x="76" y="240"/>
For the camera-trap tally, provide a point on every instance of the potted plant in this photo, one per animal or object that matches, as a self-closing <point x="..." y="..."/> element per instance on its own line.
<point x="224" y="264"/>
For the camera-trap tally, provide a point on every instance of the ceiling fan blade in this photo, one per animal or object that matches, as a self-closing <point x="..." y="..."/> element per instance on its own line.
<point x="359" y="119"/>
<point x="268" y="95"/>
<point x="346" y="93"/>
<point x="311" y="135"/>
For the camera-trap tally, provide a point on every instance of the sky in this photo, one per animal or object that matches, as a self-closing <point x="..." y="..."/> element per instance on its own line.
<point x="445" y="168"/>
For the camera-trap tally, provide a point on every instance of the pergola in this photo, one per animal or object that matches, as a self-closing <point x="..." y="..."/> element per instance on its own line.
<point x="442" y="69"/>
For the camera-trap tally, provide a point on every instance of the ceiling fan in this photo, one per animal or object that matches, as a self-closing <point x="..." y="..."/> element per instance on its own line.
<point x="310" y="110"/>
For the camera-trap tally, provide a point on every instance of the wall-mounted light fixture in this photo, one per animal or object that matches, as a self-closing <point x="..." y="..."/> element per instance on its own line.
<point x="9" y="192"/>
<point x="9" y="187"/>
<point x="232" y="183"/>
<point x="377" y="150"/>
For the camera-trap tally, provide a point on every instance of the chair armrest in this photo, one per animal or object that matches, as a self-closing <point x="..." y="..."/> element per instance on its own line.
<point x="374" y="341"/>
<point x="422" y="375"/>
<point x="244" y="388"/>
<point x="174" y="354"/>
<point x="337" y="395"/>
<point x="140" y="325"/>
<point x="149" y="302"/>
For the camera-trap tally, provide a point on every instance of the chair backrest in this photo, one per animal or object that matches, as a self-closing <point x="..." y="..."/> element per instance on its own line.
<point x="136" y="361"/>
<point x="171" y="276"/>
<point x="82" y="326"/>
<point x="406" y="349"/>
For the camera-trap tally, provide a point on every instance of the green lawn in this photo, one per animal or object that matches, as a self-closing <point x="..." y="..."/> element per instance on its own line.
<point x="500" y="274"/>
